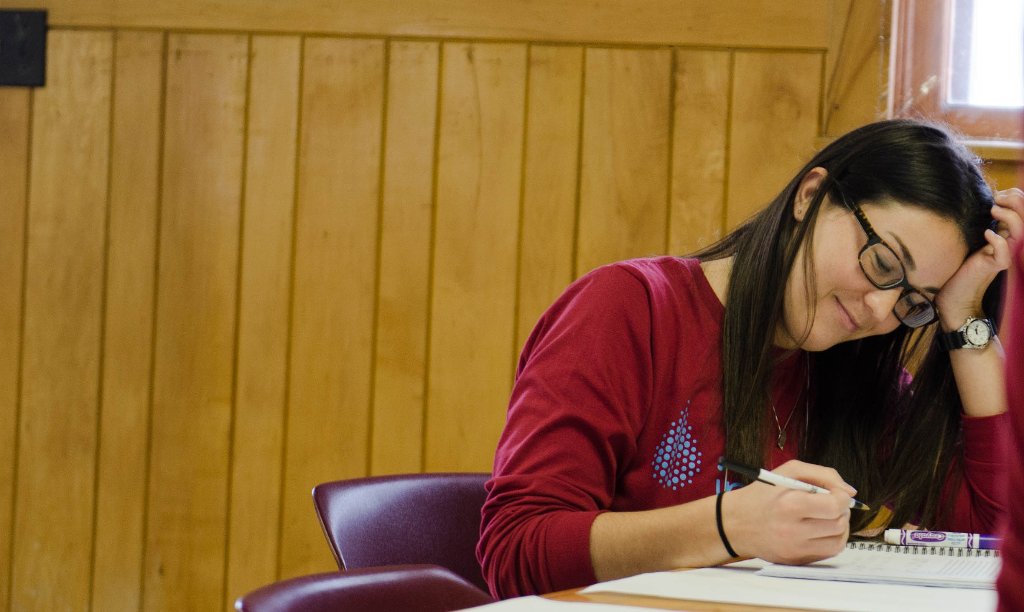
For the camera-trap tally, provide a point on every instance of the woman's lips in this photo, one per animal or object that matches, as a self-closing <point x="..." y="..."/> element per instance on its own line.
<point x="847" y="318"/>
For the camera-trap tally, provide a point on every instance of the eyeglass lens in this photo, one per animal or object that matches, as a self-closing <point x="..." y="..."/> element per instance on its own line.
<point x="885" y="270"/>
<point x="913" y="310"/>
<point x="882" y="266"/>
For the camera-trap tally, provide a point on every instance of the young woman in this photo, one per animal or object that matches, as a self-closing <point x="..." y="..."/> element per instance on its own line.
<point x="785" y="345"/>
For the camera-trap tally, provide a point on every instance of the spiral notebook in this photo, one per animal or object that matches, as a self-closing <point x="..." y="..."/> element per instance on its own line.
<point x="879" y="563"/>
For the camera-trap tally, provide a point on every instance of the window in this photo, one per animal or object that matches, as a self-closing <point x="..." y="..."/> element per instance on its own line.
<point x="962" y="62"/>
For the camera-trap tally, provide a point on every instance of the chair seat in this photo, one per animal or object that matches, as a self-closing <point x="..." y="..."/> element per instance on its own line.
<point x="412" y="588"/>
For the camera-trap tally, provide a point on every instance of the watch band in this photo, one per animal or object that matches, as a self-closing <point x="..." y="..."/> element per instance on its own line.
<point x="952" y="340"/>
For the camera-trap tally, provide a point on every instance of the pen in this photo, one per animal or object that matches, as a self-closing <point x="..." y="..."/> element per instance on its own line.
<point x="772" y="478"/>
<point x="946" y="539"/>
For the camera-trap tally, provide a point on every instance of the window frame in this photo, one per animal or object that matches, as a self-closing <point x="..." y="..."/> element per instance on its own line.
<point x="921" y="40"/>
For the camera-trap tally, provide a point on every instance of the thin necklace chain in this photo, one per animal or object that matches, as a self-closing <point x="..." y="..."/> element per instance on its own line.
<point x="780" y="441"/>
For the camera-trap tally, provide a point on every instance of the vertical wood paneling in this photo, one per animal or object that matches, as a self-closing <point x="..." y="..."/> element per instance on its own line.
<point x="335" y="272"/>
<point x="699" y="148"/>
<point x="776" y="98"/>
<point x="473" y="315"/>
<point x="758" y="23"/>
<point x="858" y="65"/>
<point x="316" y="257"/>
<point x="195" y="326"/>
<point x="550" y="185"/>
<point x="53" y="525"/>
<point x="127" y="342"/>
<point x="625" y="165"/>
<point x="15" y="112"/>
<point x="263" y="315"/>
<point x="400" y="368"/>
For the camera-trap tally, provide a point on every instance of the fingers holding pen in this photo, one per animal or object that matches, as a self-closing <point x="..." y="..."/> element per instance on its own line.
<point x="818" y="475"/>
<point x="789" y="525"/>
<point x="819" y="516"/>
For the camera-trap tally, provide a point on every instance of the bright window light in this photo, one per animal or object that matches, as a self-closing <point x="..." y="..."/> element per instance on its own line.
<point x="987" y="58"/>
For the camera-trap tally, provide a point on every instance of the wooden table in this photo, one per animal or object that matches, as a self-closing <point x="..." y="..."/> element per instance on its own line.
<point x="660" y="603"/>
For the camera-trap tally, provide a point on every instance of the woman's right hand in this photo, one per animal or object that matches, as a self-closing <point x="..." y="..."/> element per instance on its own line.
<point x="783" y="525"/>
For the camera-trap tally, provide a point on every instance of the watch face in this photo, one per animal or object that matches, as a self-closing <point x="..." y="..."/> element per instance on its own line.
<point x="978" y="333"/>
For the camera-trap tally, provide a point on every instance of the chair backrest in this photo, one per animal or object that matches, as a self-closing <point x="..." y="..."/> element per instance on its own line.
<point x="414" y="588"/>
<point x="402" y="519"/>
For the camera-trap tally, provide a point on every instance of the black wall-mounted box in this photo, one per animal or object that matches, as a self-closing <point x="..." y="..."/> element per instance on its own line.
<point x="22" y="48"/>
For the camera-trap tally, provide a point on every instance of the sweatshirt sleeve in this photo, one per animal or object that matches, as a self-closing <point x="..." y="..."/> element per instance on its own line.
<point x="581" y="394"/>
<point x="1011" y="579"/>
<point x="979" y="500"/>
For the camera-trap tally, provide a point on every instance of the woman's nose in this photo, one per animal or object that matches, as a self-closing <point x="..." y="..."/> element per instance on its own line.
<point x="881" y="302"/>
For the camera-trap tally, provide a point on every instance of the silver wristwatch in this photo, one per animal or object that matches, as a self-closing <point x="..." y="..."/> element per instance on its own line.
<point x="975" y="333"/>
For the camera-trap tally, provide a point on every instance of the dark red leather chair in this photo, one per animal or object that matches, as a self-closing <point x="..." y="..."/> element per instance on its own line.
<point x="409" y="518"/>
<point x="412" y="588"/>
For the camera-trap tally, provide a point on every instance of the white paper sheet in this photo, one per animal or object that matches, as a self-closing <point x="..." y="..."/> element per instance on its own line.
<point x="890" y="567"/>
<point x="738" y="583"/>
<point x="539" y="604"/>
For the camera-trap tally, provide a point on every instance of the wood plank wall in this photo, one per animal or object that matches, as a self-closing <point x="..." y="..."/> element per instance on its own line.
<point x="248" y="250"/>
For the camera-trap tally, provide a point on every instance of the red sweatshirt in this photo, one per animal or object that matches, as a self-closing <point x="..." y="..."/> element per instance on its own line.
<point x="617" y="406"/>
<point x="1011" y="578"/>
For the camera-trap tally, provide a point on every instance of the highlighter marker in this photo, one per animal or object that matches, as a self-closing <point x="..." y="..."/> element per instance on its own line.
<point x="947" y="539"/>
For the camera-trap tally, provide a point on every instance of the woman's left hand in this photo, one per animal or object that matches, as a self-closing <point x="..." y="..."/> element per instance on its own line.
<point x="961" y="296"/>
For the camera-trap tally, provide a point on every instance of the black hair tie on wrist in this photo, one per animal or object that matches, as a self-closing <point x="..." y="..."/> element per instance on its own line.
<point x="721" y="530"/>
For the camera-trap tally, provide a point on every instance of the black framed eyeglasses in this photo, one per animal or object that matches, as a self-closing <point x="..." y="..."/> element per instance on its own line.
<point x="885" y="270"/>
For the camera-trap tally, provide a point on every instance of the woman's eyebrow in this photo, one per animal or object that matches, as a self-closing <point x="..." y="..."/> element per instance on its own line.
<point x="908" y="261"/>
<point x="905" y="255"/>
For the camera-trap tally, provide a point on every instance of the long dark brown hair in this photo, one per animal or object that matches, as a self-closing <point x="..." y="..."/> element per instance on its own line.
<point x="896" y="447"/>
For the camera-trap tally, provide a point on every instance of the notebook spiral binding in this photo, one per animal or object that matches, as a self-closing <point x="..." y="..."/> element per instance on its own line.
<point x="943" y="551"/>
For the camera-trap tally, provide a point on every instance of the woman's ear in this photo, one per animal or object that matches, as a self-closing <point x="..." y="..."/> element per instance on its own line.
<point x="806" y="191"/>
